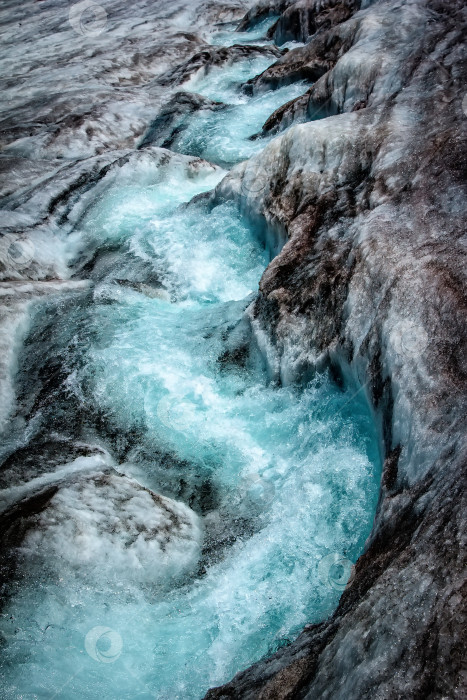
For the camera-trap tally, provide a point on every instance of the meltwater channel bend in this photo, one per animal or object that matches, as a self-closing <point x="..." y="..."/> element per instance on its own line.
<point x="267" y="492"/>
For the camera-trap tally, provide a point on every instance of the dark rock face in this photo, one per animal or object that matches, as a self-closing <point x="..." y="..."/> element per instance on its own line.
<point x="210" y="57"/>
<point x="172" y="120"/>
<point x="304" y="18"/>
<point x="310" y="62"/>
<point x="299" y="19"/>
<point x="367" y="208"/>
<point x="263" y="10"/>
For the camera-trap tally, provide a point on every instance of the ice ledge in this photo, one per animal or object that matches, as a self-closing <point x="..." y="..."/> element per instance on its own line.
<point x="364" y="214"/>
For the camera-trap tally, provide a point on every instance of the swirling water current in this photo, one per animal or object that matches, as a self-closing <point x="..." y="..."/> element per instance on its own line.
<point x="281" y="481"/>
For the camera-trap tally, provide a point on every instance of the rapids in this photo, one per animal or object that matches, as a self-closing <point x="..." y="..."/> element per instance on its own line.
<point x="270" y="490"/>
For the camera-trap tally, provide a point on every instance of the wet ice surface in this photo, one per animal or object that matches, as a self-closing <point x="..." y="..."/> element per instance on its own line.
<point x="91" y="85"/>
<point x="234" y="515"/>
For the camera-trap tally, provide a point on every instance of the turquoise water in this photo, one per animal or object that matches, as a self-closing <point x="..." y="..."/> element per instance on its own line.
<point x="224" y="136"/>
<point x="228" y="37"/>
<point x="223" y="83"/>
<point x="276" y="485"/>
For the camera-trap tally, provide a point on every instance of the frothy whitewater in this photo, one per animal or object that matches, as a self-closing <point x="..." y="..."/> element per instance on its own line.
<point x="222" y="511"/>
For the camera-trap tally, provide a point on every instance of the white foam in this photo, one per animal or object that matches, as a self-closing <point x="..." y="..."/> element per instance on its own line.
<point x="110" y="522"/>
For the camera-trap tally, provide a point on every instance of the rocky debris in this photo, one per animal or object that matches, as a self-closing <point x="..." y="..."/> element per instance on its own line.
<point x="66" y="126"/>
<point x="212" y="56"/>
<point x="367" y="209"/>
<point x="23" y="464"/>
<point x="292" y="112"/>
<point x="174" y="118"/>
<point x="153" y="291"/>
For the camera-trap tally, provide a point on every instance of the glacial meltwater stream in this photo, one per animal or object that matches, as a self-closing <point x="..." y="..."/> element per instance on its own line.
<point x="268" y="492"/>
